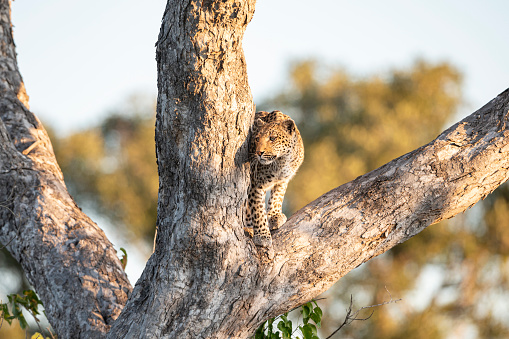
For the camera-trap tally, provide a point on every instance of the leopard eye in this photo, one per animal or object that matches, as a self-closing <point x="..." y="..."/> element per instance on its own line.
<point x="257" y="139"/>
<point x="272" y="138"/>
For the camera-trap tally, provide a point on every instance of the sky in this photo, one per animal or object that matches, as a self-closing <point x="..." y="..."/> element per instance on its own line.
<point x="81" y="59"/>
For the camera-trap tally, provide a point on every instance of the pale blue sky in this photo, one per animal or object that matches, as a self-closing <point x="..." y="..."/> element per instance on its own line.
<point x="80" y="59"/>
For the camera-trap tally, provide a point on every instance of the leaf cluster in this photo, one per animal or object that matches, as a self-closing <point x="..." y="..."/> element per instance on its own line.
<point x="13" y="310"/>
<point x="311" y="318"/>
<point x="30" y="301"/>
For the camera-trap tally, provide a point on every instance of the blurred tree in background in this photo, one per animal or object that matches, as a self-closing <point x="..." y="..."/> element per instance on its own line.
<point x="111" y="168"/>
<point x="352" y="126"/>
<point x="453" y="277"/>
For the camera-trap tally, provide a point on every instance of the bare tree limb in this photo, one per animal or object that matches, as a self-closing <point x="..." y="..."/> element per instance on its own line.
<point x="65" y="256"/>
<point x="351" y="315"/>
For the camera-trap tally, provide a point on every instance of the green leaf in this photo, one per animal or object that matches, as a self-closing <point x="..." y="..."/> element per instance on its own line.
<point x="270" y="327"/>
<point x="285" y="326"/>
<point x="32" y="296"/>
<point x="308" y="331"/>
<point x="22" y="301"/>
<point x="33" y="302"/>
<point x="22" y="321"/>
<point x="6" y="314"/>
<point x="123" y="260"/>
<point x="316" y="318"/>
<point x="306" y="310"/>
<point x="5" y="310"/>
<point x="259" y="334"/>
<point x="318" y="311"/>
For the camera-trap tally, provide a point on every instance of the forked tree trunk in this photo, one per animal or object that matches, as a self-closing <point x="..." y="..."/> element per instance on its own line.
<point x="205" y="278"/>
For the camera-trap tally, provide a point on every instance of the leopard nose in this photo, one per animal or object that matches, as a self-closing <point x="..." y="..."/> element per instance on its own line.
<point x="260" y="153"/>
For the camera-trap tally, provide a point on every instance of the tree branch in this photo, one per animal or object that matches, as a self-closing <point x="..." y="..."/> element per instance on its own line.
<point x="351" y="315"/>
<point x="65" y="256"/>
<point x="366" y="217"/>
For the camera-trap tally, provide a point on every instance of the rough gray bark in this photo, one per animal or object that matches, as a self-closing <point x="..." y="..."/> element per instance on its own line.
<point x="203" y="262"/>
<point x="205" y="278"/>
<point x="65" y="256"/>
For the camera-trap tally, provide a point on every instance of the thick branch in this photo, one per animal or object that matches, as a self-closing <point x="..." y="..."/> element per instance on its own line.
<point x="368" y="216"/>
<point x="65" y="256"/>
<point x="204" y="114"/>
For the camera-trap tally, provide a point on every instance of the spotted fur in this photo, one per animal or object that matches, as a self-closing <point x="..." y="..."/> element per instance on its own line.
<point x="276" y="152"/>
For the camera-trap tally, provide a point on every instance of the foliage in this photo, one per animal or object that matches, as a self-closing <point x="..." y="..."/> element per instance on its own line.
<point x="123" y="259"/>
<point x="311" y="318"/>
<point x="351" y="126"/>
<point x="12" y="310"/>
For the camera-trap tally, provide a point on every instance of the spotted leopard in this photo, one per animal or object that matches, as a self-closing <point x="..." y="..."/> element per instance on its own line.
<point x="276" y="152"/>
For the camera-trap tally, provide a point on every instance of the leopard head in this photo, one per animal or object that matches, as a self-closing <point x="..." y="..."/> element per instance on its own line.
<point x="272" y="140"/>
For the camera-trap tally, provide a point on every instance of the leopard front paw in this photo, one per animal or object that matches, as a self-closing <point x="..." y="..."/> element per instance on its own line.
<point x="262" y="241"/>
<point x="264" y="248"/>
<point x="276" y="221"/>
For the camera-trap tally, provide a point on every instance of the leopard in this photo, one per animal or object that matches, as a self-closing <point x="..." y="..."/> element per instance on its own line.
<point x="276" y="152"/>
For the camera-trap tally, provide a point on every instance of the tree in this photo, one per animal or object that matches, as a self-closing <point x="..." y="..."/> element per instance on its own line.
<point x="206" y="277"/>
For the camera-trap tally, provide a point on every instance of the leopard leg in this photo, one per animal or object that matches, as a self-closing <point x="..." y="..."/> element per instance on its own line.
<point x="261" y="232"/>
<point x="275" y="215"/>
<point x="248" y="229"/>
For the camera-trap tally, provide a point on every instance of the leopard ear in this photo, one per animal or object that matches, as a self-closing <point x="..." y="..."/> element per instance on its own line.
<point x="261" y="115"/>
<point x="259" y="122"/>
<point x="289" y="125"/>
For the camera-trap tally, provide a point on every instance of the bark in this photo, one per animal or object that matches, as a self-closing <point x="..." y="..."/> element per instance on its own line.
<point x="65" y="256"/>
<point x="203" y="262"/>
<point x="205" y="278"/>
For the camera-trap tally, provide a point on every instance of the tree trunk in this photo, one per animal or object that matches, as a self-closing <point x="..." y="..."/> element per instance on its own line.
<point x="205" y="278"/>
<point x="203" y="262"/>
<point x="65" y="256"/>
